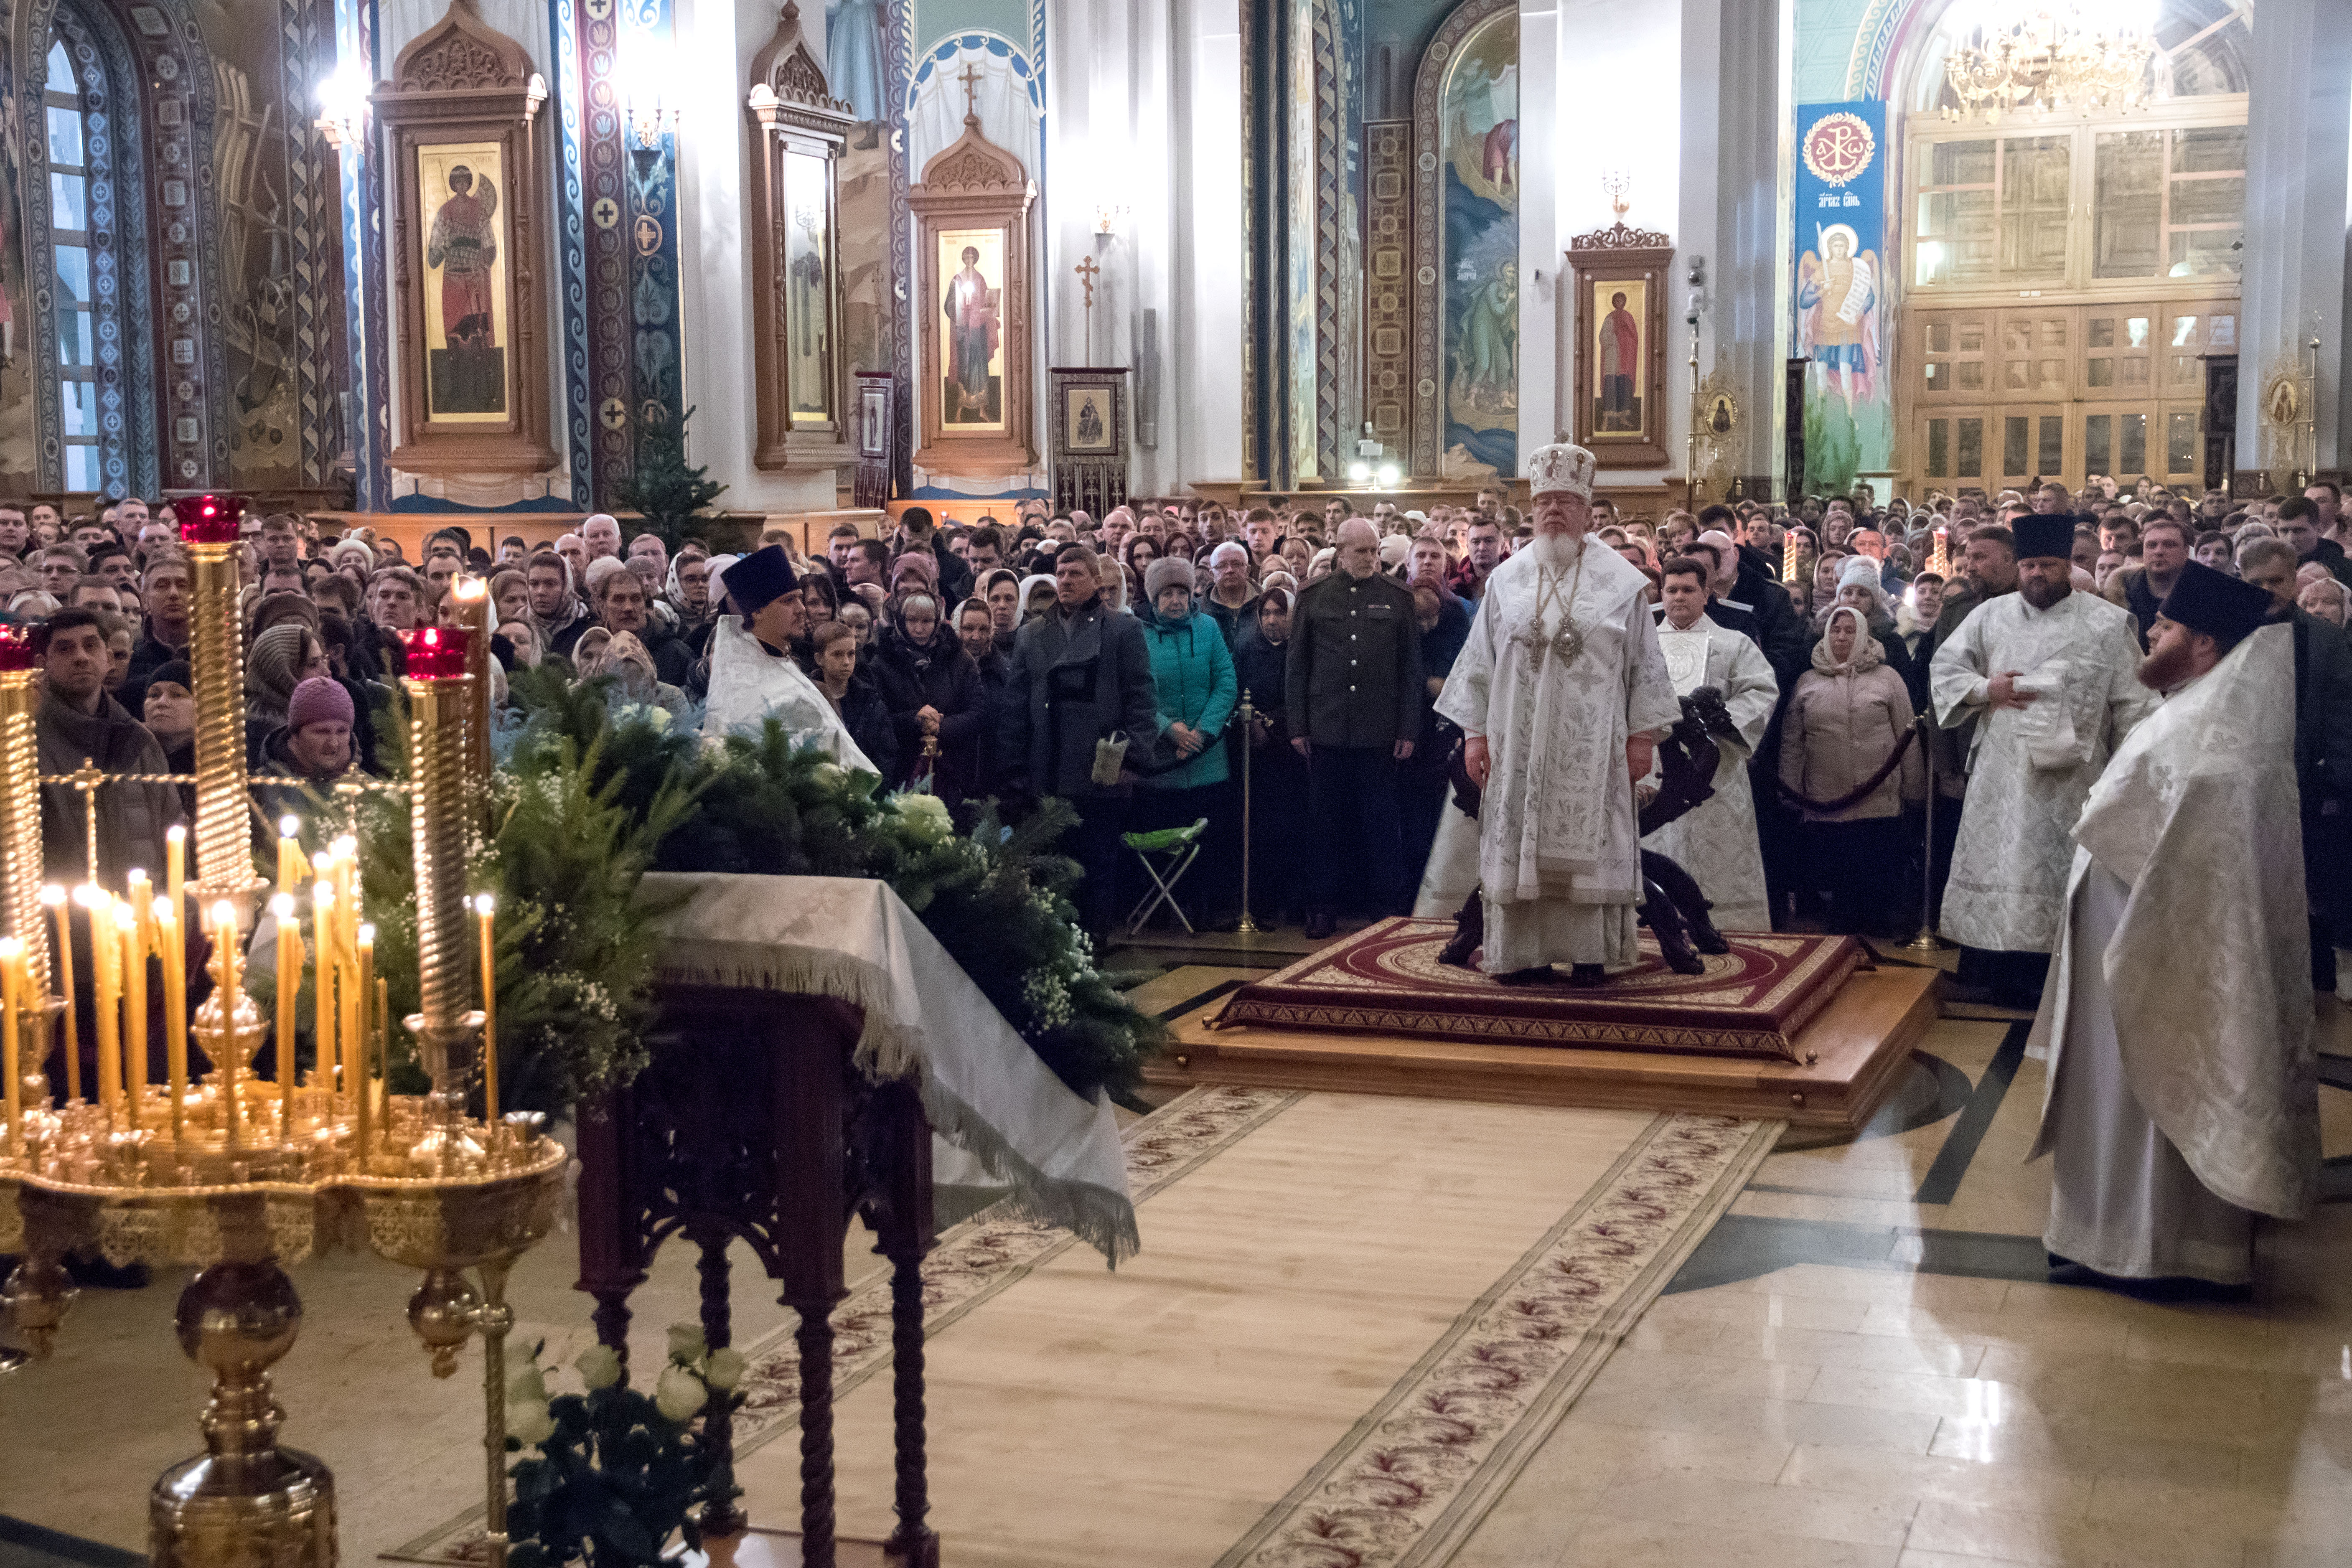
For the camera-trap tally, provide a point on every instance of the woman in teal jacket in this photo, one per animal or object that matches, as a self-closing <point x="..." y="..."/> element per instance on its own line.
<point x="1194" y="673"/>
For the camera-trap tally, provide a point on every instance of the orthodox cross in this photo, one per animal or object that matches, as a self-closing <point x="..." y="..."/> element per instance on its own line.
<point x="1086" y="271"/>
<point x="970" y="80"/>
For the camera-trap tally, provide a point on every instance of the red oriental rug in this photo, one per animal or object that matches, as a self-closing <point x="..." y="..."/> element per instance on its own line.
<point x="1386" y="979"/>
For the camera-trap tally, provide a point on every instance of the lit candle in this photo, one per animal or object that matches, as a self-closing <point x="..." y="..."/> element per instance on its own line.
<point x="382" y="1047"/>
<point x="348" y="994"/>
<point x="175" y="867"/>
<point x="289" y="854"/>
<point x="290" y="987"/>
<point x="12" y="963"/>
<point x="322" y="1013"/>
<point x="105" y="965"/>
<point x="174" y="954"/>
<point x="487" y="905"/>
<point x="224" y="936"/>
<point x="128" y="922"/>
<point x="364" y="1087"/>
<point x="55" y="897"/>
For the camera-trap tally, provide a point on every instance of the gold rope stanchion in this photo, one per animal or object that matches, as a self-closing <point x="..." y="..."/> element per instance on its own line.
<point x="1249" y="927"/>
<point x="1929" y="940"/>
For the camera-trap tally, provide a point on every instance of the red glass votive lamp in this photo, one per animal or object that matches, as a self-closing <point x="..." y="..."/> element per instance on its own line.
<point x="20" y="649"/>
<point x="436" y="653"/>
<point x="209" y="519"/>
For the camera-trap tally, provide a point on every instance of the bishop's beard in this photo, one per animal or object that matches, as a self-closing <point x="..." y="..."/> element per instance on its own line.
<point x="1555" y="552"/>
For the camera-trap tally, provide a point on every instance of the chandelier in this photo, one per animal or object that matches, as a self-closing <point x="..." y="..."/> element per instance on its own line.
<point x="2057" y="58"/>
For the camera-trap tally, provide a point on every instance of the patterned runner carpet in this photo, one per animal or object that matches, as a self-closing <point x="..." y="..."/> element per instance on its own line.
<point x="1386" y="979"/>
<point x="1354" y="1318"/>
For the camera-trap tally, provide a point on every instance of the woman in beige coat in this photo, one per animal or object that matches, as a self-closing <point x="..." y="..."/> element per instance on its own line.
<point x="1847" y="717"/>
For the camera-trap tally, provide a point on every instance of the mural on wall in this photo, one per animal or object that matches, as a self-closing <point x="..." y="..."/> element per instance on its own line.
<point x="1840" y="292"/>
<point x="853" y="57"/>
<point x="280" y="248"/>
<point x="1480" y="202"/>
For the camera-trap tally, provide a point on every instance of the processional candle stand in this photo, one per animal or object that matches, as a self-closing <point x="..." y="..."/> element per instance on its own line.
<point x="231" y="1171"/>
<point x="1929" y="939"/>
<point x="1249" y="715"/>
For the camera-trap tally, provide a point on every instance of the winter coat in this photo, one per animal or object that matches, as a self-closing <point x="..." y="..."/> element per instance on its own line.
<point x="941" y="675"/>
<point x="1075" y="677"/>
<point x="1838" y="731"/>
<point x="132" y="817"/>
<point x="1193" y="676"/>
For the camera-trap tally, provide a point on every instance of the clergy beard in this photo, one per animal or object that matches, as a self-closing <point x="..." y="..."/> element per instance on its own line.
<point x="2169" y="666"/>
<point x="1555" y="552"/>
<point x="2042" y="594"/>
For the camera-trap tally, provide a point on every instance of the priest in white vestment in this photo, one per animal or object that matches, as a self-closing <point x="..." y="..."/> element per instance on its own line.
<point x="1561" y="693"/>
<point x="754" y="678"/>
<point x="2052" y="676"/>
<point x="2183" y="1094"/>
<point x="1716" y="841"/>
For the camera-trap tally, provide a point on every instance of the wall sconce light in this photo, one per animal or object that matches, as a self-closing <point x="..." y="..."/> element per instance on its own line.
<point x="1108" y="218"/>
<point x="344" y="105"/>
<point x="650" y="88"/>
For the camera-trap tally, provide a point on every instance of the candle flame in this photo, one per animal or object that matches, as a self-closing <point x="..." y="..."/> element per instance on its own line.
<point x="11" y="949"/>
<point x="367" y="935"/>
<point x="282" y="906"/>
<point x="85" y="896"/>
<point x="163" y="915"/>
<point x="288" y="826"/>
<point x="486" y="904"/>
<point x="225" y="914"/>
<point x="176" y="834"/>
<point x="53" y="895"/>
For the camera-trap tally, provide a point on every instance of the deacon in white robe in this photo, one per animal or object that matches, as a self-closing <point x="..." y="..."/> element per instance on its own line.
<point x="2183" y="1097"/>
<point x="754" y="678"/>
<point x="1716" y="841"/>
<point x="1561" y="693"/>
<point x="2051" y="676"/>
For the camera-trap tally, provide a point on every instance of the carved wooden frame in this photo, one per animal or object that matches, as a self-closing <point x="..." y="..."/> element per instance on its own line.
<point x="793" y="109"/>
<point x="975" y="184"/>
<point x="461" y="81"/>
<point x="1631" y="255"/>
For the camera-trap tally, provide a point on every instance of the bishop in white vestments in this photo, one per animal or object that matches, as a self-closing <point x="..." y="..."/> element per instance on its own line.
<point x="2183" y="1093"/>
<point x="1716" y="841"/>
<point x="1561" y="693"/>
<point x="752" y="676"/>
<point x="2053" y="674"/>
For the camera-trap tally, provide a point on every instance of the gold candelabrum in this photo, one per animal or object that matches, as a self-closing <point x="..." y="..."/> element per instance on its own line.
<point x="231" y="1170"/>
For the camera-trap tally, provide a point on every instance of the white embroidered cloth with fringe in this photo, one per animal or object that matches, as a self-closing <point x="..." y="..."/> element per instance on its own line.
<point x="1004" y="1120"/>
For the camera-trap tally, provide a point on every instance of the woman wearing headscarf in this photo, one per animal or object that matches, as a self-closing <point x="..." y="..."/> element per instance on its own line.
<point x="1858" y="589"/>
<point x="624" y="659"/>
<point x="1847" y="720"/>
<point x="1276" y="777"/>
<point x="1192" y="673"/>
<point x="931" y="688"/>
<point x="1038" y="596"/>
<point x="1000" y="591"/>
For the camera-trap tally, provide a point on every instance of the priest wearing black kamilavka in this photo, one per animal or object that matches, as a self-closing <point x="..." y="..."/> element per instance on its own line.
<point x="2047" y="674"/>
<point x="753" y="676"/>
<point x="2183" y="1098"/>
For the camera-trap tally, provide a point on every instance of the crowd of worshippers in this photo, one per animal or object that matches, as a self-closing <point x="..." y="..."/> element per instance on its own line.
<point x="1126" y="663"/>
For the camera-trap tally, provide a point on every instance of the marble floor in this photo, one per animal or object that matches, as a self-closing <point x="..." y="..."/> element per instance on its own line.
<point x="1861" y="1365"/>
<point x="1865" y="1367"/>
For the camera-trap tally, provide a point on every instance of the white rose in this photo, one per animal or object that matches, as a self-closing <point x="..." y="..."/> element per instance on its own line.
<point x="686" y="1342"/>
<point x="527" y="1386"/>
<point x="726" y="1369"/>
<point x="679" y="1395"/>
<point x="530" y="1423"/>
<point x="598" y="1366"/>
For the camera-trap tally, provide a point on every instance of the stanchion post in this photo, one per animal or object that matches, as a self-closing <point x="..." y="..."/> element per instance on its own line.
<point x="1929" y="940"/>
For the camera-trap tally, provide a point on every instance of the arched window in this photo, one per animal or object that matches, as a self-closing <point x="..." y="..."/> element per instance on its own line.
<point x="87" y="231"/>
<point x="71" y="270"/>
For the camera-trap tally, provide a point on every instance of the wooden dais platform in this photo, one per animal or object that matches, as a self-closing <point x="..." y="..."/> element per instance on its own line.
<point x="1857" y="1044"/>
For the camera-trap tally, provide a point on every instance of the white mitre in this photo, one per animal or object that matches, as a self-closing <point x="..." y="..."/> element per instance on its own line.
<point x="1561" y="466"/>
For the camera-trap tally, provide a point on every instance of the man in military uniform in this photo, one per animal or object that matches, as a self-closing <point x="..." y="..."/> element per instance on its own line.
<point x="1354" y="679"/>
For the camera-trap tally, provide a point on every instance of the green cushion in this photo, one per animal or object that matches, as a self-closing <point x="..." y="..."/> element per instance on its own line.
<point x="1164" y="838"/>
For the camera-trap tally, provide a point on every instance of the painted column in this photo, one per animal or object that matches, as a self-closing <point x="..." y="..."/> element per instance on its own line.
<point x="1734" y="114"/>
<point x="2298" y="135"/>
